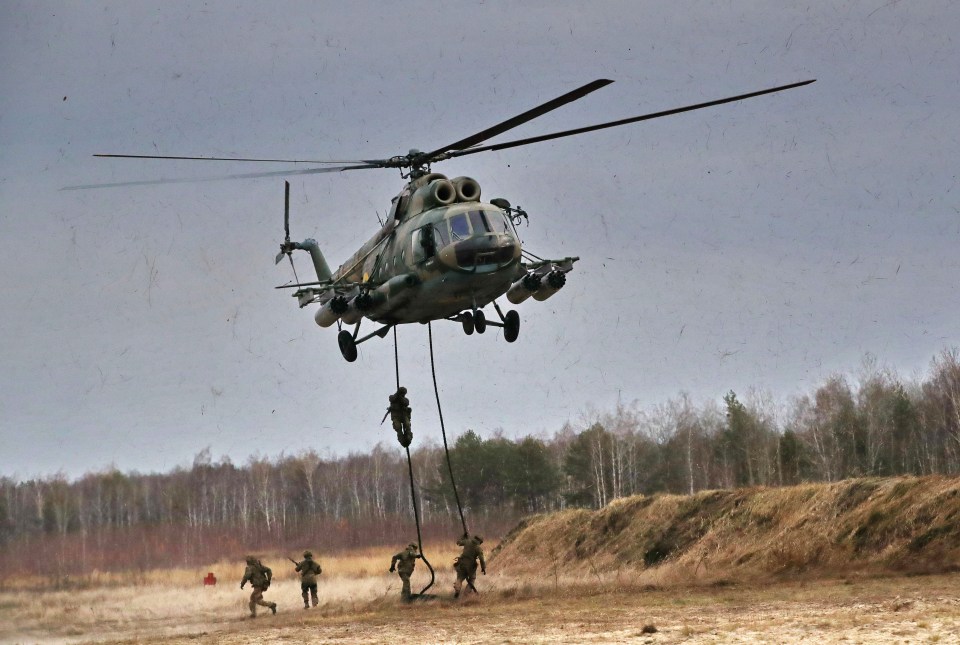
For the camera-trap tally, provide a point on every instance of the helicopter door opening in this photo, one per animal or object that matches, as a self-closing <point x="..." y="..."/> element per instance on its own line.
<point x="424" y="243"/>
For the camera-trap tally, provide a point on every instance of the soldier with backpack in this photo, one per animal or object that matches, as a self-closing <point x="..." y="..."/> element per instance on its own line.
<point x="259" y="576"/>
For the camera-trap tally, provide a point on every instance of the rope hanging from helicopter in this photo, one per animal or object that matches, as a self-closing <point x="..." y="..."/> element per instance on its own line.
<point x="446" y="451"/>
<point x="443" y="432"/>
<point x="413" y="491"/>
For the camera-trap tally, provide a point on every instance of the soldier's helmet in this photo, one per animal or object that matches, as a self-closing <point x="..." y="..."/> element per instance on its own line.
<point x="401" y="390"/>
<point x="412" y="546"/>
<point x="478" y="539"/>
<point x="251" y="559"/>
<point x="307" y="554"/>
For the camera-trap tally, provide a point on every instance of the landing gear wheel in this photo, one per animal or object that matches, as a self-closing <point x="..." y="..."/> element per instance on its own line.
<point x="479" y="321"/>
<point x="348" y="347"/>
<point x="511" y="326"/>
<point x="467" y="319"/>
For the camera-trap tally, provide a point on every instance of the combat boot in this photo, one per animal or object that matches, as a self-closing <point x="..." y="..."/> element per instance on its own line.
<point x="273" y="608"/>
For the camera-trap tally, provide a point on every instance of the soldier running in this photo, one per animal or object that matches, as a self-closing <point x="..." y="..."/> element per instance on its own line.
<point x="466" y="563"/>
<point x="399" y="412"/>
<point x="259" y="577"/>
<point x="309" y="569"/>
<point x="407" y="560"/>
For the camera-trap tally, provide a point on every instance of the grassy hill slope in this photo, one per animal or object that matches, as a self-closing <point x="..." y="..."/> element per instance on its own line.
<point x="905" y="524"/>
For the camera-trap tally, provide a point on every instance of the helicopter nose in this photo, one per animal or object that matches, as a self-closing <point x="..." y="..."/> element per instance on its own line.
<point x="484" y="252"/>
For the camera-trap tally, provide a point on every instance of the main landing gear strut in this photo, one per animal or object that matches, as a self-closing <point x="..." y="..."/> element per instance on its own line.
<point x="348" y="341"/>
<point x="472" y="321"/>
<point x="475" y="320"/>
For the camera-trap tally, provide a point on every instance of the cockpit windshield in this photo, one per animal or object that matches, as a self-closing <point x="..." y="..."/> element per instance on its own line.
<point x="459" y="227"/>
<point x="496" y="222"/>
<point x="478" y="222"/>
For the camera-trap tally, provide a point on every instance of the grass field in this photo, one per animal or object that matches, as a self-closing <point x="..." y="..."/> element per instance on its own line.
<point x="817" y="563"/>
<point x="360" y="604"/>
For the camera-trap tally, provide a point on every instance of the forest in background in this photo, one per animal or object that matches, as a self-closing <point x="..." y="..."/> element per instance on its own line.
<point x="872" y="423"/>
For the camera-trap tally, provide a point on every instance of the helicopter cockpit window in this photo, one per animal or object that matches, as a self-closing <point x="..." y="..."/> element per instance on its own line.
<point x="498" y="223"/>
<point x="459" y="227"/>
<point x="479" y="222"/>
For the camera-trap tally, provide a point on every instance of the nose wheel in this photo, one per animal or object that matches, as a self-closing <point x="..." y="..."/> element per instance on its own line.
<point x="479" y="321"/>
<point x="473" y="321"/>
<point x="476" y="321"/>
<point x="466" y="318"/>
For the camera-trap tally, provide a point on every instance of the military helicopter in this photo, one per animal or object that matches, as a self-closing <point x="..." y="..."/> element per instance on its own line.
<point x="442" y="253"/>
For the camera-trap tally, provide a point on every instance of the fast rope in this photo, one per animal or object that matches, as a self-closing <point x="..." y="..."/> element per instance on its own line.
<point x="446" y="449"/>
<point x="413" y="491"/>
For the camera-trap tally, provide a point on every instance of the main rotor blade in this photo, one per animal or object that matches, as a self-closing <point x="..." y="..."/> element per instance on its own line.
<point x="521" y="118"/>
<point x="230" y="159"/>
<point x="613" y="124"/>
<point x="250" y="175"/>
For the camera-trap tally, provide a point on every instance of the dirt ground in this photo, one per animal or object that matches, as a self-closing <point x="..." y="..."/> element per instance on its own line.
<point x="921" y="609"/>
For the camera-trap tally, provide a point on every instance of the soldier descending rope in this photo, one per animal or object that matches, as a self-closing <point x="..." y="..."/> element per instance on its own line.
<point x="399" y="412"/>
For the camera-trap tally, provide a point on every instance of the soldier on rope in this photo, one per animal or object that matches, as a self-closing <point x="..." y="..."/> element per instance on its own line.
<point x="399" y="412"/>
<point x="466" y="563"/>
<point x="407" y="560"/>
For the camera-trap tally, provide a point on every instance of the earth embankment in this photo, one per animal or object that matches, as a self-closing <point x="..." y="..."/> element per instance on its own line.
<point x="870" y="525"/>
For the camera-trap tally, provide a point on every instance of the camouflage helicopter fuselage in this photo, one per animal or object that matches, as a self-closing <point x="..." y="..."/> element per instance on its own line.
<point x="441" y="252"/>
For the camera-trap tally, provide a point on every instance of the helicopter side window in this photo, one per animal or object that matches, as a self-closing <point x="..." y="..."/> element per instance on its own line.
<point x="459" y="227"/>
<point x="478" y="222"/>
<point x="424" y="243"/>
<point x="440" y="234"/>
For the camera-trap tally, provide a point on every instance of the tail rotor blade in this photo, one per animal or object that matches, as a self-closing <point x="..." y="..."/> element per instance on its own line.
<point x="285" y="247"/>
<point x="286" y="210"/>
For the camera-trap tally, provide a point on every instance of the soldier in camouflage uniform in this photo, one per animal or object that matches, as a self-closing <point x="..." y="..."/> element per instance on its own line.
<point x="399" y="411"/>
<point x="309" y="569"/>
<point x="466" y="563"/>
<point x="259" y="577"/>
<point x="407" y="560"/>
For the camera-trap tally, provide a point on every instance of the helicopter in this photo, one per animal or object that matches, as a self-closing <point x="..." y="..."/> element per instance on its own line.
<point x="442" y="253"/>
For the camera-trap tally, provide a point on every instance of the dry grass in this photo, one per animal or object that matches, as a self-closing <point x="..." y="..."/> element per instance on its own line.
<point x="167" y="601"/>
<point x="820" y="563"/>
<point x="366" y="610"/>
<point x="904" y="524"/>
<point x="358" y="563"/>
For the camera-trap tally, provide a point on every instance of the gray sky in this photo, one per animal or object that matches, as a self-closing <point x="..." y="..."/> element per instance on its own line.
<point x="767" y="243"/>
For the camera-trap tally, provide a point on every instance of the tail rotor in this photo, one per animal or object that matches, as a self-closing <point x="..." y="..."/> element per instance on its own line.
<point x="287" y="247"/>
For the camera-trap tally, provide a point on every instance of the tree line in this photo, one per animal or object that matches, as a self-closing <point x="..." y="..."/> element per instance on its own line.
<point x="870" y="423"/>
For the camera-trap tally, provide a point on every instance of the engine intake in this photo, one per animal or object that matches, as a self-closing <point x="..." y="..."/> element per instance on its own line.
<point x="468" y="190"/>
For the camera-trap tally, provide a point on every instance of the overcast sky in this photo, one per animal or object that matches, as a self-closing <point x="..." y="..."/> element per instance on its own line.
<point x="762" y="244"/>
